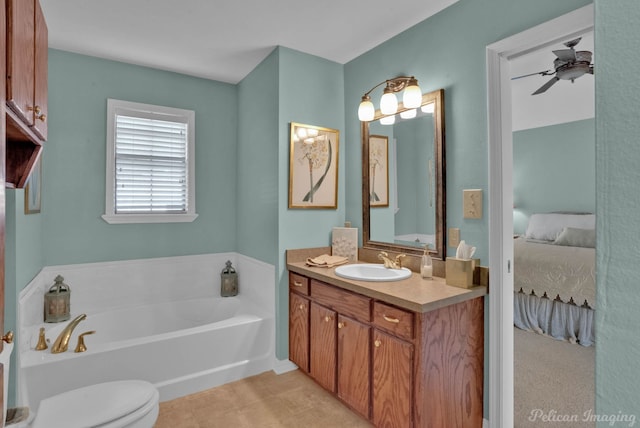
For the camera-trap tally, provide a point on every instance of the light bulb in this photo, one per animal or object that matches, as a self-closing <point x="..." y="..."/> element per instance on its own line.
<point x="366" y="111"/>
<point x="412" y="96"/>
<point x="388" y="120"/>
<point x="388" y="103"/>
<point x="409" y="114"/>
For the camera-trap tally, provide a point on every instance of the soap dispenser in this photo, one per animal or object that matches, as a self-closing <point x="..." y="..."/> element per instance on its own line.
<point x="426" y="264"/>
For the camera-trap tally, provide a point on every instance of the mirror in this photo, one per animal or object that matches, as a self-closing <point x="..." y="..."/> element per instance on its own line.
<point x="403" y="179"/>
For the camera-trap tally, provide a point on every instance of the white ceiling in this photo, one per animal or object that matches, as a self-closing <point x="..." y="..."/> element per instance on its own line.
<point x="563" y="102"/>
<point x="225" y="40"/>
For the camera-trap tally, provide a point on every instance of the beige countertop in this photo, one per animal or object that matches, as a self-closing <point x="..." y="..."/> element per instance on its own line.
<point x="414" y="293"/>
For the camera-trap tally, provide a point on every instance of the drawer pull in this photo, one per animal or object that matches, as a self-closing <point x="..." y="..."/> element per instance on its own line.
<point x="391" y="319"/>
<point x="377" y="343"/>
<point x="341" y="325"/>
<point x="297" y="283"/>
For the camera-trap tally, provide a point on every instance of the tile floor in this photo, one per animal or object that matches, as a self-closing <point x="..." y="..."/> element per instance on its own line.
<point x="264" y="401"/>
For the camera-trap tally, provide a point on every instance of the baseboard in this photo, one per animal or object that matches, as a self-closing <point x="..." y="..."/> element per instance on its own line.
<point x="485" y="423"/>
<point x="283" y="366"/>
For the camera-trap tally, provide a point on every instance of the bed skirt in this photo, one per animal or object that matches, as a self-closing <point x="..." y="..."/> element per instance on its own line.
<point x="562" y="321"/>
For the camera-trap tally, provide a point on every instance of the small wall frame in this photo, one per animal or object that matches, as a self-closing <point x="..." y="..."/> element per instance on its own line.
<point x="313" y="166"/>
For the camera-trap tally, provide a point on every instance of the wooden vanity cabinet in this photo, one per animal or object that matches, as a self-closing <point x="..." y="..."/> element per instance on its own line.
<point x="394" y="366"/>
<point x="322" y="346"/>
<point x="353" y="365"/>
<point x="299" y="331"/>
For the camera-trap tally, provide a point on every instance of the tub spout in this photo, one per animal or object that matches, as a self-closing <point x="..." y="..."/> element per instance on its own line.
<point x="62" y="342"/>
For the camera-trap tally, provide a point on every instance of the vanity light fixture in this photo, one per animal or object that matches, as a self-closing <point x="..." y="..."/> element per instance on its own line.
<point x="411" y="97"/>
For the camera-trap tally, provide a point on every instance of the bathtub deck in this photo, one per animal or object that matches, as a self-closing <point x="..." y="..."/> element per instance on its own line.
<point x="266" y="400"/>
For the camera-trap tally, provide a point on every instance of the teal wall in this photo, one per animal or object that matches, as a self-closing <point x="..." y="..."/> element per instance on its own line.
<point x="617" y="202"/>
<point x="75" y="158"/>
<point x="553" y="170"/>
<point x="311" y="93"/>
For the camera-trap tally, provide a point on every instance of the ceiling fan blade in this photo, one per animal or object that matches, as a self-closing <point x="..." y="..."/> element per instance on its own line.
<point x="572" y="43"/>
<point x="541" y="73"/>
<point x="546" y="86"/>
<point x="566" y="55"/>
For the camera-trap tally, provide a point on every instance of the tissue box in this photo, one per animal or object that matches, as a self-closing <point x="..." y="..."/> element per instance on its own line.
<point x="459" y="272"/>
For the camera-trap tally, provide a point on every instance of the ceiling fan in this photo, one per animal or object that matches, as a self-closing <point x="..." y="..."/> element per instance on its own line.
<point x="569" y="65"/>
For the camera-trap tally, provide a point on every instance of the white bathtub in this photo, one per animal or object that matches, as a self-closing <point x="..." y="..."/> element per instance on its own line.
<point x="181" y="346"/>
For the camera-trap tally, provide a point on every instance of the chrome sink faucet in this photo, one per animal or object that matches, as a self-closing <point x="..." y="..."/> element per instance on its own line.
<point x="391" y="264"/>
<point x="62" y="342"/>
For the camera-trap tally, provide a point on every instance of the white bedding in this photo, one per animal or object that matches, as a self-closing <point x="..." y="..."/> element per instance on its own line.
<point x="567" y="272"/>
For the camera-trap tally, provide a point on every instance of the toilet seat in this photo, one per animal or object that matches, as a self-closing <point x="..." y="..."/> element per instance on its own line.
<point x="110" y="404"/>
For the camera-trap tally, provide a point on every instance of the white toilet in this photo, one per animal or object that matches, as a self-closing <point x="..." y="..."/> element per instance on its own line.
<point x="119" y="404"/>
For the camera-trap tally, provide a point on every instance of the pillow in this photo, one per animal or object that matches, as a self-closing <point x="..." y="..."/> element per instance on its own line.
<point x="573" y="237"/>
<point x="548" y="226"/>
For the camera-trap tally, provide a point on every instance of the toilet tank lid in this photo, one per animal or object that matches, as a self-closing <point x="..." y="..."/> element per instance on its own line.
<point x="94" y="405"/>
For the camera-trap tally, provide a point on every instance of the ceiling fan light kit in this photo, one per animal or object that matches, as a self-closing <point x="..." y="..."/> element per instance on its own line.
<point x="569" y="65"/>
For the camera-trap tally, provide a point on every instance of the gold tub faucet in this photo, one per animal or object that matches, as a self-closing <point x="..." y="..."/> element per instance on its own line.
<point x="391" y="264"/>
<point x="62" y="342"/>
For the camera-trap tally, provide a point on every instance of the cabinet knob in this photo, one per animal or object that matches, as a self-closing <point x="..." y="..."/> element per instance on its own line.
<point x="377" y="343"/>
<point x="8" y="337"/>
<point x="301" y="306"/>
<point x="341" y="324"/>
<point x="42" y="117"/>
<point x="391" y="319"/>
<point x="327" y="318"/>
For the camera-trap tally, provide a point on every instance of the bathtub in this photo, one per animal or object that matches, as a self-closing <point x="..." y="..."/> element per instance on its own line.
<point x="181" y="347"/>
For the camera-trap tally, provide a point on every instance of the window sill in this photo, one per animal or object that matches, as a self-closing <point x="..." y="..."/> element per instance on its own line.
<point x="148" y="218"/>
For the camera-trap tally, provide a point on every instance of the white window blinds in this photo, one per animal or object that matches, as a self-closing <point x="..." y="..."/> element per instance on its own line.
<point x="150" y="175"/>
<point x="151" y="166"/>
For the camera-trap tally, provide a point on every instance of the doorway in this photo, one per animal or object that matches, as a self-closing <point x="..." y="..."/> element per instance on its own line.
<point x="501" y="345"/>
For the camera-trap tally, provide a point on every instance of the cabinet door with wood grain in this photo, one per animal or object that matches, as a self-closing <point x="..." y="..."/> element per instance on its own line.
<point x="392" y="381"/>
<point x="322" y="365"/>
<point x="354" y="340"/>
<point x="299" y="331"/>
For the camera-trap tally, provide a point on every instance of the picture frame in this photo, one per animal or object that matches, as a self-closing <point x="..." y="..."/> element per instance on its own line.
<point x="313" y="167"/>
<point x="378" y="171"/>
<point x="33" y="190"/>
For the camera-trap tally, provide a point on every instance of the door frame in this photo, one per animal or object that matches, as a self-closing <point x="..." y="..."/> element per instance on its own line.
<point x="498" y="54"/>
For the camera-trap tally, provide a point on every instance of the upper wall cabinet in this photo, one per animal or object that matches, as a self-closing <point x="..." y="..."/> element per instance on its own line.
<point x="27" y="56"/>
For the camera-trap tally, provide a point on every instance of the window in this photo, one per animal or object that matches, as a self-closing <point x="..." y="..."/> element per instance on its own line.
<point x="150" y="164"/>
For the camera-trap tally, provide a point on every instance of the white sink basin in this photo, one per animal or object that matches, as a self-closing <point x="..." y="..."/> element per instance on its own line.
<point x="372" y="272"/>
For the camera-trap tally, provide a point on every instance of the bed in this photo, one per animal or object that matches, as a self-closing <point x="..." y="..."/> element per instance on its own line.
<point x="554" y="277"/>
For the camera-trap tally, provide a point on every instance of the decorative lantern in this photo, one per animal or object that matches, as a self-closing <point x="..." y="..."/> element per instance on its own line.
<point x="229" y="283"/>
<point x="57" y="306"/>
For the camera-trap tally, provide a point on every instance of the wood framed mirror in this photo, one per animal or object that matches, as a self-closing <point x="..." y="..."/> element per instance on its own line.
<point x="403" y="185"/>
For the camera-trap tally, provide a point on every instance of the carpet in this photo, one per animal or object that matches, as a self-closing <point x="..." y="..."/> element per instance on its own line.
<point x="553" y="382"/>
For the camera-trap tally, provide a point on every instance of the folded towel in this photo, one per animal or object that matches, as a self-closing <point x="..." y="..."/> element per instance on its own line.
<point x="326" y="260"/>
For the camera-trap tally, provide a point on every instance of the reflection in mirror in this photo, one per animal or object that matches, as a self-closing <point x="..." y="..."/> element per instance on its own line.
<point x="403" y="203"/>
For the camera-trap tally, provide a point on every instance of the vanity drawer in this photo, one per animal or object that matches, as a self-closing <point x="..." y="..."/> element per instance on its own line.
<point x="342" y="301"/>
<point x="298" y="283"/>
<point x="394" y="320"/>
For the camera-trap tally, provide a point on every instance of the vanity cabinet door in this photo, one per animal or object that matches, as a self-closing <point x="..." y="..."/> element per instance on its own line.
<point x="322" y="363"/>
<point x="354" y="364"/>
<point x="392" y="381"/>
<point x="299" y="331"/>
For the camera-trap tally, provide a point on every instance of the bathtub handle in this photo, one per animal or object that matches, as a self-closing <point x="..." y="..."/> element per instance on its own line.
<point x="81" y="346"/>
